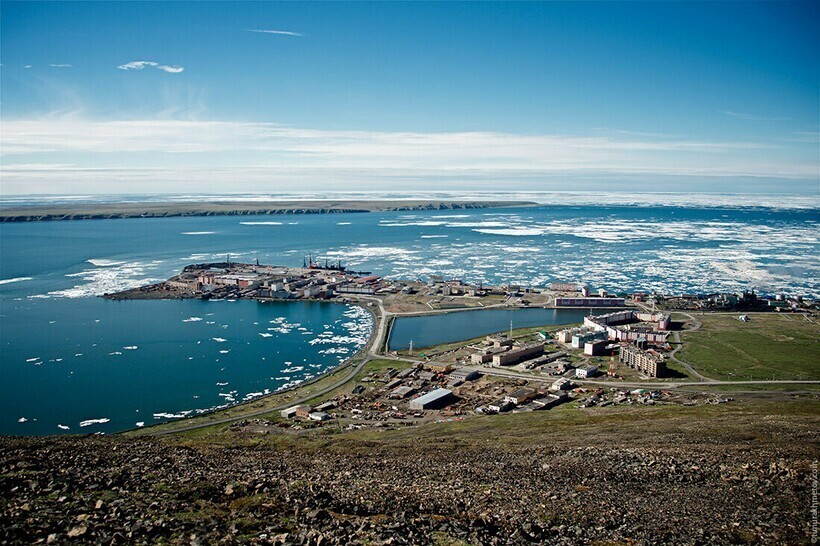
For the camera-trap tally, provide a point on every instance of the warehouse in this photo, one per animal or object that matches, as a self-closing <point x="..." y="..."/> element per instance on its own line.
<point x="432" y="400"/>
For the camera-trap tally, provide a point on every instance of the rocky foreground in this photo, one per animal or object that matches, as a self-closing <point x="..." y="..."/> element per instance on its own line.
<point x="745" y="479"/>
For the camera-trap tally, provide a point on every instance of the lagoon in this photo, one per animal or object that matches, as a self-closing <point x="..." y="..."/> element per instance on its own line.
<point x="429" y="330"/>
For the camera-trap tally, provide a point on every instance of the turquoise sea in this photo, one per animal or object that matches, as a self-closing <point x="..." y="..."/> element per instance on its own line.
<point x="143" y="362"/>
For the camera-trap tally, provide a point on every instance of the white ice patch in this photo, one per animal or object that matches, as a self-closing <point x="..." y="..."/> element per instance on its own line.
<point x="63" y="427"/>
<point x="192" y="319"/>
<point x="90" y="422"/>
<point x="261" y="223"/>
<point x="140" y="424"/>
<point x="106" y="277"/>
<point x="197" y="233"/>
<point x="219" y="339"/>
<point x="131" y="348"/>
<point x="15" y="279"/>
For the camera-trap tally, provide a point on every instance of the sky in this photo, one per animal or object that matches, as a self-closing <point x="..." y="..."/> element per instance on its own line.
<point x="211" y="97"/>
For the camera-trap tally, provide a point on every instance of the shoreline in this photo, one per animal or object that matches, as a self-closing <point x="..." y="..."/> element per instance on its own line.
<point x="109" y="211"/>
<point x="346" y="363"/>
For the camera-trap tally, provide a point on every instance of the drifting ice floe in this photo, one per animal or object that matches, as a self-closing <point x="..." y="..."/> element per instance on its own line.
<point x="179" y="415"/>
<point x="219" y="339"/>
<point x="265" y="334"/>
<point x="90" y="422"/>
<point x="140" y="424"/>
<point x="224" y="351"/>
<point x="114" y="353"/>
<point x="22" y="420"/>
<point x="192" y="319"/>
<point x="36" y="358"/>
<point x="63" y="427"/>
<point x="16" y="279"/>
<point x="131" y="348"/>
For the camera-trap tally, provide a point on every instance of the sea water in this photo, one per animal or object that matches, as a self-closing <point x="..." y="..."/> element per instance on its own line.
<point x="52" y="272"/>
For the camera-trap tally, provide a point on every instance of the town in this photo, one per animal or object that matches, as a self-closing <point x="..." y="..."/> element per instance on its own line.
<point x="619" y="355"/>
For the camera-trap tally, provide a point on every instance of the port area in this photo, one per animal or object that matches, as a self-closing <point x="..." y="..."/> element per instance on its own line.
<point x="325" y="280"/>
<point x="631" y="357"/>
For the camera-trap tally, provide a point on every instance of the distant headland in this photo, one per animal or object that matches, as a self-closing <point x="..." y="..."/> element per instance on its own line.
<point x="105" y="211"/>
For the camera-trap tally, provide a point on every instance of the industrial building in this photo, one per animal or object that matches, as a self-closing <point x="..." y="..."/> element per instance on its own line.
<point x="589" y="302"/>
<point x="647" y="362"/>
<point x="432" y="400"/>
<point x="465" y="374"/>
<point x="586" y="371"/>
<point x="520" y="396"/>
<point x="550" y="400"/>
<point x="402" y="392"/>
<point x="517" y="355"/>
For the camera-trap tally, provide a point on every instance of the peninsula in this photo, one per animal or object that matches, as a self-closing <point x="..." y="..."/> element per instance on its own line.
<point x="105" y="211"/>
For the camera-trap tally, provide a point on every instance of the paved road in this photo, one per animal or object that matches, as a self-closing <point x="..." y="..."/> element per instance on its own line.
<point x="639" y="384"/>
<point x="673" y="355"/>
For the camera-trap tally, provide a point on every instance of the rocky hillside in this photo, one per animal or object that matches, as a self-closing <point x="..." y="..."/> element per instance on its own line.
<point x="687" y="485"/>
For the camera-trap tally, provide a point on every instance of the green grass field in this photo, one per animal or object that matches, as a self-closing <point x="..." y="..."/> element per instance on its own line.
<point x="769" y="346"/>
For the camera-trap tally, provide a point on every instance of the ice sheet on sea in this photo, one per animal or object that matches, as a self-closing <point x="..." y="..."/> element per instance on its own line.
<point x="178" y="415"/>
<point x="265" y="334"/>
<point x="131" y="348"/>
<point x="140" y="424"/>
<point x="219" y="339"/>
<point x="63" y="427"/>
<point x="108" y="276"/>
<point x="15" y="279"/>
<point x="434" y="236"/>
<point x="89" y="422"/>
<point x="224" y="351"/>
<point x="192" y="319"/>
<point x="293" y="369"/>
<point x="261" y="223"/>
<point x="197" y="233"/>
<point x="22" y="420"/>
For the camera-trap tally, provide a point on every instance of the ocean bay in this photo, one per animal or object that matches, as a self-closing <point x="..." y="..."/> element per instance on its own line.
<point x="52" y="273"/>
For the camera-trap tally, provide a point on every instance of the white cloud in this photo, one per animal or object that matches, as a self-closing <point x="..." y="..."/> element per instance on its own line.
<point x="752" y="117"/>
<point x="61" y="65"/>
<point x="142" y="152"/>
<point x="281" y="32"/>
<point x="139" y="65"/>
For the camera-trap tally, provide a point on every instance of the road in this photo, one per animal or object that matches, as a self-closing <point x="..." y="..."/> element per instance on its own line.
<point x="639" y="384"/>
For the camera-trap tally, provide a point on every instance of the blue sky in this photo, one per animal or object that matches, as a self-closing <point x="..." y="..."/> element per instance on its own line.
<point x="182" y="96"/>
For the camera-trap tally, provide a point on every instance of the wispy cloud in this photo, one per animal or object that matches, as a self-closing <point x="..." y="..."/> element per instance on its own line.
<point x="752" y="117"/>
<point x="139" y="65"/>
<point x="61" y="65"/>
<point x="281" y="32"/>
